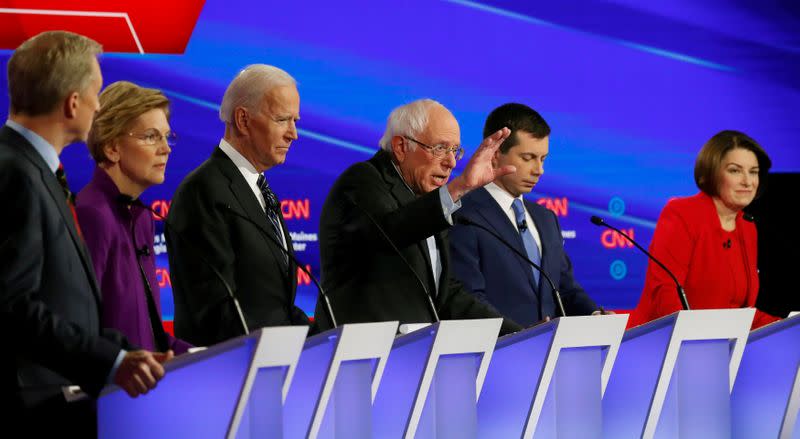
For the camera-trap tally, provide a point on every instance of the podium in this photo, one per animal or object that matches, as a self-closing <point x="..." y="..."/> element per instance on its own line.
<point x="232" y="389"/>
<point x="432" y="379"/>
<point x="336" y="381"/>
<point x="766" y="395"/>
<point x="673" y="376"/>
<point x="548" y="381"/>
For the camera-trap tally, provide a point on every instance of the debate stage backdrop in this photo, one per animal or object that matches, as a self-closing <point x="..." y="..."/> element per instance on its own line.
<point x="631" y="90"/>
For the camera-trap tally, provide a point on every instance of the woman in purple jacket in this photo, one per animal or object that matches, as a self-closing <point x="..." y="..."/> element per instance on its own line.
<point x="130" y="141"/>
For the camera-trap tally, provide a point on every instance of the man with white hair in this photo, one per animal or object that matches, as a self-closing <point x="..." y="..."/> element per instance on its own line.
<point x="383" y="227"/>
<point x="210" y="212"/>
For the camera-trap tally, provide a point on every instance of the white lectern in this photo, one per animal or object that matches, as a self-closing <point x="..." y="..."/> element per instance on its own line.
<point x="548" y="381"/>
<point x="673" y="376"/>
<point x="336" y="381"/>
<point x="432" y="379"/>
<point x="766" y="395"/>
<point x="207" y="394"/>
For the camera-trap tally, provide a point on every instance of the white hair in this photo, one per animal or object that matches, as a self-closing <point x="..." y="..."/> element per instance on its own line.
<point x="248" y="87"/>
<point x="407" y="120"/>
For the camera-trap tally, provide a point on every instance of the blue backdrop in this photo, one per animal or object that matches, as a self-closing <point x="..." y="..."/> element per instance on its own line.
<point x="631" y="90"/>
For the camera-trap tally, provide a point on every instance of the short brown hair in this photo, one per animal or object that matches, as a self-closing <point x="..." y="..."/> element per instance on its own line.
<point x="709" y="160"/>
<point x="46" y="68"/>
<point x="120" y="104"/>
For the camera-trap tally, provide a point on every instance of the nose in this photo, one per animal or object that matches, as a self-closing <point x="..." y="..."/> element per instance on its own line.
<point x="449" y="160"/>
<point x="292" y="133"/>
<point x="538" y="167"/>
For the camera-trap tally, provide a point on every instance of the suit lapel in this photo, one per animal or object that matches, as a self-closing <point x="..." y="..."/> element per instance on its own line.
<point x="57" y="194"/>
<point x="497" y="220"/>
<point x="403" y="195"/>
<point x="248" y="202"/>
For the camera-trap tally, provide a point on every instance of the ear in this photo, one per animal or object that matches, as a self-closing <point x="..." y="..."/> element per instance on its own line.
<point x="71" y="104"/>
<point x="112" y="152"/>
<point x="241" y="120"/>
<point x="399" y="145"/>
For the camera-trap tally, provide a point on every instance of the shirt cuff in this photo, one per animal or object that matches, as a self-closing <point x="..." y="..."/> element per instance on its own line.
<point x="448" y="205"/>
<point x="117" y="362"/>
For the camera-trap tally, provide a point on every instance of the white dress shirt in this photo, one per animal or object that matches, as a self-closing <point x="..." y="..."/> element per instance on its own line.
<point x="250" y="175"/>
<point x="504" y="200"/>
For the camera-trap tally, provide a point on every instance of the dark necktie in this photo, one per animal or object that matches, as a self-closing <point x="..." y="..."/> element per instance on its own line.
<point x="62" y="180"/>
<point x="272" y="210"/>
<point x="527" y="238"/>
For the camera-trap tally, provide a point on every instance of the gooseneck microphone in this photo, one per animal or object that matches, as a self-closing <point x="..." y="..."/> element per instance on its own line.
<point x="556" y="294"/>
<point x="216" y="272"/>
<point x="399" y="253"/>
<point x="596" y="220"/>
<point x="272" y="239"/>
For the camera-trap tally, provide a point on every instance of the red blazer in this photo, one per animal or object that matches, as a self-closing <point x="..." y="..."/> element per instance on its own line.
<point x="716" y="268"/>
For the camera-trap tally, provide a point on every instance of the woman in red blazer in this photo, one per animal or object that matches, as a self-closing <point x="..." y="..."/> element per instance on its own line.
<point x="705" y="239"/>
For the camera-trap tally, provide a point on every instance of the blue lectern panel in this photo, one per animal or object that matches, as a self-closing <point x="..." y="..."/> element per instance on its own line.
<point x="263" y="415"/>
<point x="303" y="396"/>
<point x="697" y="404"/>
<point x="352" y="394"/>
<point x="575" y="395"/>
<point x="510" y="384"/>
<point x="766" y="376"/>
<point x="630" y="388"/>
<point x="194" y="401"/>
<point x="449" y="411"/>
<point x="398" y="389"/>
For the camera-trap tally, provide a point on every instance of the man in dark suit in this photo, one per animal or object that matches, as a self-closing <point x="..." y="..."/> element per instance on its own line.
<point x="49" y="299"/>
<point x="402" y="192"/>
<point x="226" y="210"/>
<point x="489" y="269"/>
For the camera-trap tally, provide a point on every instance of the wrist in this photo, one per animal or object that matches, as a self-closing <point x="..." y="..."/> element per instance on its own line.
<point x="458" y="188"/>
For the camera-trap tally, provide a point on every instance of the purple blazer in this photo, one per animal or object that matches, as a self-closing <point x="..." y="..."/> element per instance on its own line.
<point x="107" y="226"/>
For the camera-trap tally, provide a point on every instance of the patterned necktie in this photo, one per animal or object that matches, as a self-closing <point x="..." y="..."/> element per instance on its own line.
<point x="62" y="180"/>
<point x="272" y="210"/>
<point x="527" y="238"/>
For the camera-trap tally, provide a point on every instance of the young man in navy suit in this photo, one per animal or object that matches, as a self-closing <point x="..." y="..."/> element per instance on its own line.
<point x="488" y="268"/>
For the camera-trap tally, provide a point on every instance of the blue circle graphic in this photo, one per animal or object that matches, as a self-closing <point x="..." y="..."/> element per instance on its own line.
<point x="618" y="270"/>
<point x="616" y="206"/>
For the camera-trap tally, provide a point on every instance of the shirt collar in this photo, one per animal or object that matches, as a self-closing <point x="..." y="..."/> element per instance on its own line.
<point x="245" y="167"/>
<point x="43" y="147"/>
<point x="503" y="198"/>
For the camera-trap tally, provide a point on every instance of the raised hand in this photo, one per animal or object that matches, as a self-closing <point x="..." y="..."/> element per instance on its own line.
<point x="479" y="170"/>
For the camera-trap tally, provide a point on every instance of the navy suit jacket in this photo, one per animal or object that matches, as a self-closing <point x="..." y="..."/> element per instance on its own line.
<point x="501" y="278"/>
<point x="49" y="299"/>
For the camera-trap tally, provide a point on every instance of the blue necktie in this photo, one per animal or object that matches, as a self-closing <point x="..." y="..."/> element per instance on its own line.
<point x="527" y="238"/>
<point x="273" y="207"/>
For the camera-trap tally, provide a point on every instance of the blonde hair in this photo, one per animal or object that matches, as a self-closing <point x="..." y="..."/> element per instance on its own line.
<point x="46" y="68"/>
<point x="120" y="104"/>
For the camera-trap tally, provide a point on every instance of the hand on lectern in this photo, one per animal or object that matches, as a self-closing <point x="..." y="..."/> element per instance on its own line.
<point x="603" y="312"/>
<point x="140" y="371"/>
<point x="540" y="322"/>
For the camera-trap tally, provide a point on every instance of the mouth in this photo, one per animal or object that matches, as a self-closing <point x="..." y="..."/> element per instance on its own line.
<point x="440" y="180"/>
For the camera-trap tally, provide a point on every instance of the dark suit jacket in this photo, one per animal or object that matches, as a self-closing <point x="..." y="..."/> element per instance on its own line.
<point x="49" y="299"/>
<point x="250" y="263"/>
<point x="365" y="278"/>
<point x="499" y="277"/>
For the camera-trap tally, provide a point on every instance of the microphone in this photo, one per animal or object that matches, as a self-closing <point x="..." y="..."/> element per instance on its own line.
<point x="596" y="220"/>
<point x="144" y="251"/>
<point x="272" y="239"/>
<point x="749" y="218"/>
<point x="556" y="294"/>
<point x="199" y="253"/>
<point x="727" y="244"/>
<point x="399" y="253"/>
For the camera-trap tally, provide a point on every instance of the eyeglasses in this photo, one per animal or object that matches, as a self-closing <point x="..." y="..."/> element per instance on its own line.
<point x="439" y="151"/>
<point x="154" y="137"/>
